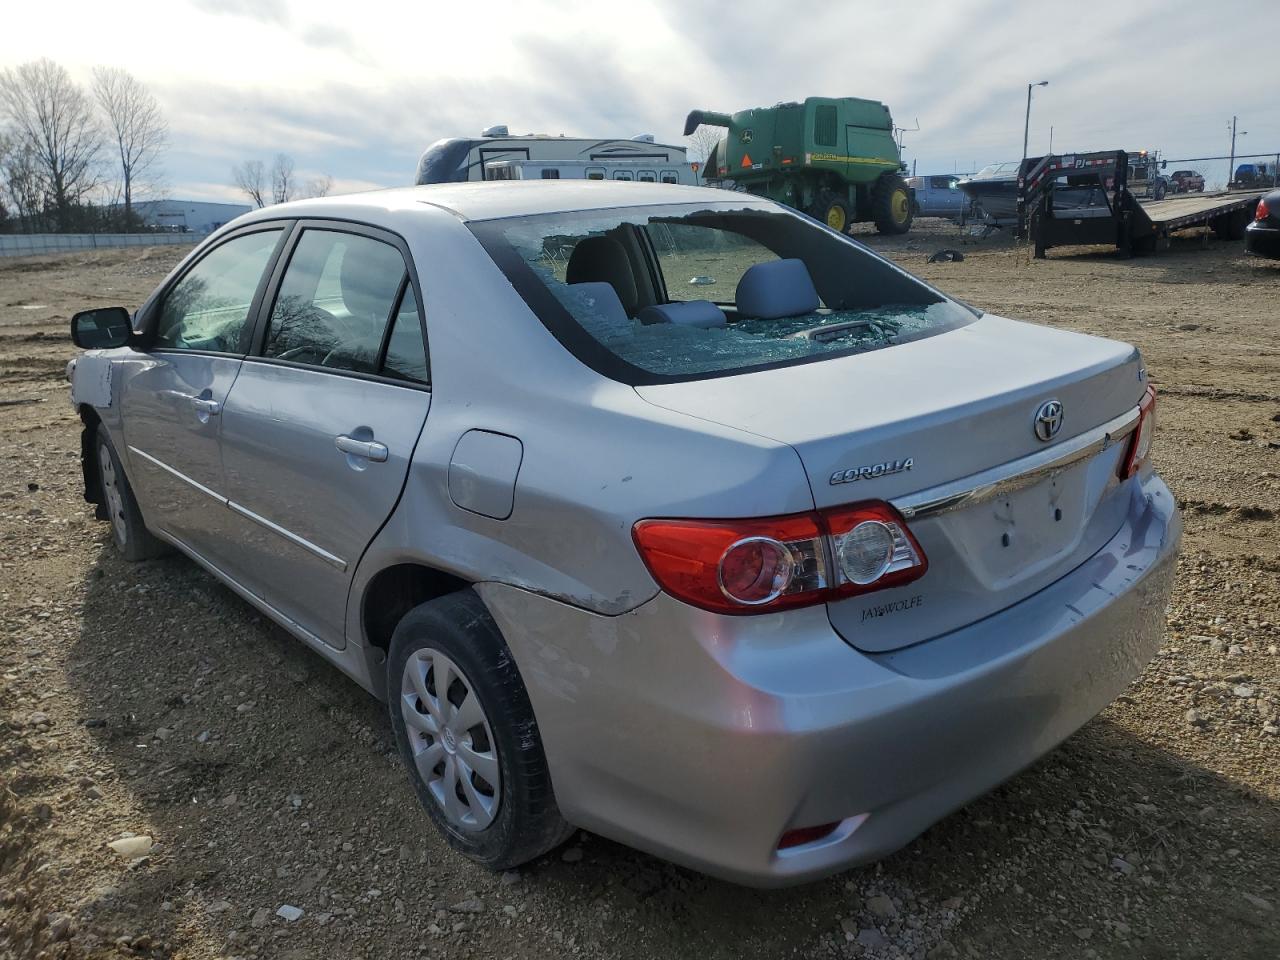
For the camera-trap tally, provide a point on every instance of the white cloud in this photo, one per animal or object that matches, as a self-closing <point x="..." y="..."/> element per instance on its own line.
<point x="357" y="91"/>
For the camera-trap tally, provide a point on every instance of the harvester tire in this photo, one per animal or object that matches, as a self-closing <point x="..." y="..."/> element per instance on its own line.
<point x="833" y="210"/>
<point x="891" y="204"/>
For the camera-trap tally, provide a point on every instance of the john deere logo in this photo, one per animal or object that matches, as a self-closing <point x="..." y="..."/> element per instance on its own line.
<point x="745" y="136"/>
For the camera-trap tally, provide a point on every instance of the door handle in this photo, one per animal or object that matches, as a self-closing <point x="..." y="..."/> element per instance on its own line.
<point x="366" y="449"/>
<point x="210" y="408"/>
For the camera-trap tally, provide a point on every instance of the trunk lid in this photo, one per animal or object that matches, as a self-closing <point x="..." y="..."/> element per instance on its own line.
<point x="911" y="417"/>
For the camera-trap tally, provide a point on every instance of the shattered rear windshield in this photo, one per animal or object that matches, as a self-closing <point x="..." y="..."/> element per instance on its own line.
<point x="660" y="294"/>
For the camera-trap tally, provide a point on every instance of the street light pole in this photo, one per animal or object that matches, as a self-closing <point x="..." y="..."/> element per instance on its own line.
<point x="1026" y="132"/>
<point x="1231" y="165"/>
<point x="1026" y="127"/>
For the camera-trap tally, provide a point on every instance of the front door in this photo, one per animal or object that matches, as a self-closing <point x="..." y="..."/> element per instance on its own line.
<point x="318" y="431"/>
<point x="174" y="392"/>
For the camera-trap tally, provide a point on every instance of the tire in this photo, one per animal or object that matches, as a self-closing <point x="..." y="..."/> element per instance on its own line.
<point x="833" y="210"/>
<point x="891" y="204"/>
<point x="498" y="825"/>
<point x="119" y="506"/>
<point x="1158" y="190"/>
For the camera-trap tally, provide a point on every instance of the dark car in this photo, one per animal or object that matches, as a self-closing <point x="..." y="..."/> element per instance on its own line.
<point x="1186" y="181"/>
<point x="1263" y="235"/>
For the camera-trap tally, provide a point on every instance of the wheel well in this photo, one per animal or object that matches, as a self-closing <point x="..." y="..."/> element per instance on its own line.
<point x="88" y="458"/>
<point x="395" y="591"/>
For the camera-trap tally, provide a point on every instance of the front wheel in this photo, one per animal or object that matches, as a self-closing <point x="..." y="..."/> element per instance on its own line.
<point x="891" y="204"/>
<point x="466" y="732"/>
<point x="118" y="504"/>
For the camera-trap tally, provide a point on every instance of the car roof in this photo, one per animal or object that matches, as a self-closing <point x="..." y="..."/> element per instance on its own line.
<point x="490" y="200"/>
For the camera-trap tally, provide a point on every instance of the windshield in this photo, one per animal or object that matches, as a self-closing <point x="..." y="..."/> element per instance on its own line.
<point x="659" y="294"/>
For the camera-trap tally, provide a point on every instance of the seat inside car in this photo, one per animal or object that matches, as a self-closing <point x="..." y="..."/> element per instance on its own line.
<point x="776" y="289"/>
<point x="690" y="313"/>
<point x="604" y="260"/>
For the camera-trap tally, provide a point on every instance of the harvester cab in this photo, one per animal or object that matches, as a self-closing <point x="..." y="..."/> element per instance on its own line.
<point x="833" y="158"/>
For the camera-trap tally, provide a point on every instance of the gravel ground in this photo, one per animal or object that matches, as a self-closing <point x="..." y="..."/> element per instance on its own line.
<point x="267" y="816"/>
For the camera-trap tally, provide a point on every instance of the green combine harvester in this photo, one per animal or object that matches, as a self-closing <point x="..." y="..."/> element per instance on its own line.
<point x="834" y="158"/>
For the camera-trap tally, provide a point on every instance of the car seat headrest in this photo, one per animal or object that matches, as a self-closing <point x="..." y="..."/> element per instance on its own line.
<point x="778" y="288"/>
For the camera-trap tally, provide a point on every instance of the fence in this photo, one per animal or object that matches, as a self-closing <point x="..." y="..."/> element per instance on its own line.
<point x="25" y="244"/>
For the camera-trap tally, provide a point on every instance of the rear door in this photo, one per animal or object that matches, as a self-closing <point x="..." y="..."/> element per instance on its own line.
<point x="318" y="431"/>
<point x="174" y="392"/>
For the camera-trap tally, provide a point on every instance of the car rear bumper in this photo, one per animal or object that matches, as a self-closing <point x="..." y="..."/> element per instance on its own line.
<point x="1263" y="240"/>
<point x="703" y="738"/>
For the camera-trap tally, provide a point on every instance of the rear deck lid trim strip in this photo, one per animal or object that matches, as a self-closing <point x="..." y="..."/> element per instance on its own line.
<point x="1017" y="474"/>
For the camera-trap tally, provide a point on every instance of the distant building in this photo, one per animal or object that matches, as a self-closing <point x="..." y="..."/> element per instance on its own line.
<point x="187" y="216"/>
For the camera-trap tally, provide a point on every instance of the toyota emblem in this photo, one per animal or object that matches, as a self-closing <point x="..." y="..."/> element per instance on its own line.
<point x="1048" y="420"/>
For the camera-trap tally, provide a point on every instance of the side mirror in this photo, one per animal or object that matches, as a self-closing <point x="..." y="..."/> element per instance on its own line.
<point x="101" y="329"/>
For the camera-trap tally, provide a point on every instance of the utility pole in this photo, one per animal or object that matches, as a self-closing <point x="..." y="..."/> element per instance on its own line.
<point x="1051" y="139"/>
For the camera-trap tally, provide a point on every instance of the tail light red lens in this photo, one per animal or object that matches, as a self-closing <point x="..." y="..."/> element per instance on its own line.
<point x="1263" y="211"/>
<point x="802" y="835"/>
<point x="1140" y="445"/>
<point x="750" y="566"/>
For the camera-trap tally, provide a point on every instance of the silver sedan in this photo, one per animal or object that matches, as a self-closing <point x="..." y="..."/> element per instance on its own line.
<point x="666" y="513"/>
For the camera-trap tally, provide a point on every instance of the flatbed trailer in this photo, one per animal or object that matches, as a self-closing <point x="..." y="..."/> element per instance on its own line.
<point x="1084" y="199"/>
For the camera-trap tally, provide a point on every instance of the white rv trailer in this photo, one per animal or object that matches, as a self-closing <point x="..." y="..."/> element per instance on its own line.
<point x="642" y="171"/>
<point x="458" y="159"/>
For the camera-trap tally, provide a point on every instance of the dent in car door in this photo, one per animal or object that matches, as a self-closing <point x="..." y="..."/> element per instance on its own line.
<point x="174" y="392"/>
<point x="319" y="428"/>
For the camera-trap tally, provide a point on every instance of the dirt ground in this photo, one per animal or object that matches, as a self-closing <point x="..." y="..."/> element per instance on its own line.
<point x="148" y="700"/>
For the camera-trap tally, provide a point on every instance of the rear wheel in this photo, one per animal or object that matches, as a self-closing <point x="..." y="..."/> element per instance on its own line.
<point x="118" y="505"/>
<point x="891" y="204"/>
<point x="833" y="210"/>
<point x="466" y="732"/>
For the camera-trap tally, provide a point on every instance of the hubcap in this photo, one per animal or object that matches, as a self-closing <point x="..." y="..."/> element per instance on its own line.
<point x="835" y="218"/>
<point x="112" y="499"/>
<point x="450" y="740"/>
<point x="900" y="206"/>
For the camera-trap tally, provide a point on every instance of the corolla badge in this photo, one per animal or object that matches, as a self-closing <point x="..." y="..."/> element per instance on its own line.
<point x="1048" y="420"/>
<point x="872" y="471"/>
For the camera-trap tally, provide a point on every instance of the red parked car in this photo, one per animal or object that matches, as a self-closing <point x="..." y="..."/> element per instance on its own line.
<point x="1185" y="181"/>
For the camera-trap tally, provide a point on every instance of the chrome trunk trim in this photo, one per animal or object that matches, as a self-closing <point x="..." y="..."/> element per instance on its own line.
<point x="1017" y="474"/>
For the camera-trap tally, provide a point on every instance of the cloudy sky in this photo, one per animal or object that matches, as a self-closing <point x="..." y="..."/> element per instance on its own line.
<point x="356" y="90"/>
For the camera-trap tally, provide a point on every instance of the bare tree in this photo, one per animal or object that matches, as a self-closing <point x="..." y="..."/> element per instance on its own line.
<point x="21" y="181"/>
<point x="282" y="183"/>
<point x="702" y="141"/>
<point x="135" y="122"/>
<point x="53" y="115"/>
<point x="319" y="186"/>
<point x="248" y="176"/>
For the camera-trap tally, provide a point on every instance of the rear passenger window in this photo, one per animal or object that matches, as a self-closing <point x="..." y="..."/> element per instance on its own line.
<point x="406" y="352"/>
<point x="703" y="263"/>
<point x="335" y="301"/>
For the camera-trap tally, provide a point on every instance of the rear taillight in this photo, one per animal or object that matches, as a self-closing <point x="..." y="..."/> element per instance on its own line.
<point x="1140" y="445"/>
<point x="756" y="566"/>
<point x="1263" y="211"/>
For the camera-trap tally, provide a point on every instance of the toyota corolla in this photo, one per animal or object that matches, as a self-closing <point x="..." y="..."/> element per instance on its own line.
<point x="662" y="512"/>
